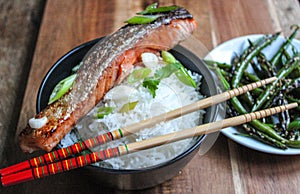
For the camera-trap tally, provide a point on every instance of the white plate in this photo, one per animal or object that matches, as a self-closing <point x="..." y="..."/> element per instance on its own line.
<point x="224" y="53"/>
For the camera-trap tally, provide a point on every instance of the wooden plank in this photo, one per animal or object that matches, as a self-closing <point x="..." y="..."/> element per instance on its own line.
<point x="66" y="24"/>
<point x="237" y="18"/>
<point x="19" y="25"/>
<point x="201" y="41"/>
<point x="213" y="166"/>
<point x="231" y="19"/>
<point x="267" y="173"/>
<point x="256" y="172"/>
<point x="285" y="13"/>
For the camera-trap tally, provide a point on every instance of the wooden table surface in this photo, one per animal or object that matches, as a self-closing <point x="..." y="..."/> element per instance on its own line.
<point x="34" y="34"/>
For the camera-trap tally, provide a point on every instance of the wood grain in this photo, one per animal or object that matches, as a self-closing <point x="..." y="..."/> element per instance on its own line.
<point x="237" y="18"/>
<point x="285" y="13"/>
<point x="19" y="26"/>
<point x="224" y="168"/>
<point x="66" y="24"/>
<point x="255" y="172"/>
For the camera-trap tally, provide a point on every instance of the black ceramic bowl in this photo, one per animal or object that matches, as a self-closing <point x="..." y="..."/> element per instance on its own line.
<point x="146" y="177"/>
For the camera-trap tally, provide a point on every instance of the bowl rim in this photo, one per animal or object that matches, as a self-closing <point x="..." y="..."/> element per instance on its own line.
<point x="198" y="140"/>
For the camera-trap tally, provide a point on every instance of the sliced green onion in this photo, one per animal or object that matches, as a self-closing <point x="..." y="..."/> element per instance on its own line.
<point x="61" y="88"/>
<point x="103" y="111"/>
<point x="128" y="106"/>
<point x="149" y="7"/>
<point x="146" y="17"/>
<point x="75" y="69"/>
<point x="142" y="19"/>
<point x="182" y="73"/>
<point x="168" y="57"/>
<point x="152" y="10"/>
<point x="138" y="75"/>
<point x="185" y="77"/>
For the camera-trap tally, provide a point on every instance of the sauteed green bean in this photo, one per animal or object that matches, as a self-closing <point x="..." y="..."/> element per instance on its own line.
<point x="281" y="131"/>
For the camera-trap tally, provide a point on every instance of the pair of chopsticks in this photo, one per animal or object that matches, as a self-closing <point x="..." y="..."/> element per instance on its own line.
<point x="56" y="161"/>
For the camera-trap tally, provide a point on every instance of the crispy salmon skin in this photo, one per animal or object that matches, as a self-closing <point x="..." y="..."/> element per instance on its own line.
<point x="104" y="66"/>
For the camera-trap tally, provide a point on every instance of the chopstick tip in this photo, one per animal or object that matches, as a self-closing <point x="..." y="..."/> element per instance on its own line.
<point x="292" y="105"/>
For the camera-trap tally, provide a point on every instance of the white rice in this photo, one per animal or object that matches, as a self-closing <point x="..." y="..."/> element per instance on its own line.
<point x="171" y="94"/>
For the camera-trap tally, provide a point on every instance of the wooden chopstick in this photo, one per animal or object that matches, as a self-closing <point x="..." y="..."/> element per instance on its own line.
<point x="119" y="133"/>
<point x="83" y="160"/>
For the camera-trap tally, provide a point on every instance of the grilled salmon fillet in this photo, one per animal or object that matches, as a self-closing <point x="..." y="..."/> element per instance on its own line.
<point x="103" y="67"/>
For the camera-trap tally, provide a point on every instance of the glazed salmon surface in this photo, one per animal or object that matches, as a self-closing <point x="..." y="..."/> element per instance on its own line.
<point x="104" y="66"/>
